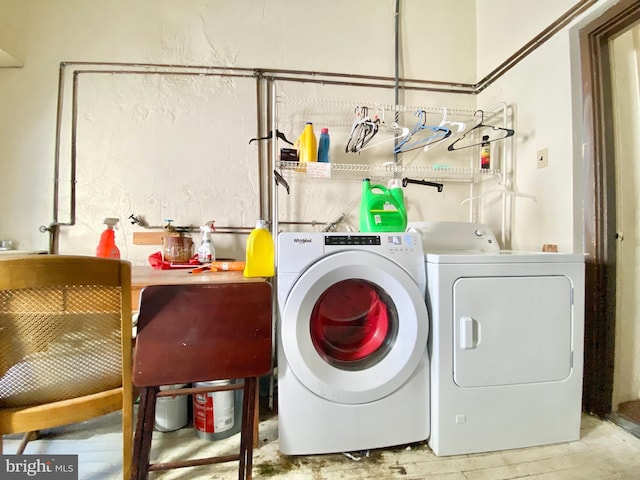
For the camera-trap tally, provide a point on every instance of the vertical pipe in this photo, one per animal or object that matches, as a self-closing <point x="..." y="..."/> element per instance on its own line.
<point x="271" y="93"/>
<point x="259" y="129"/>
<point x="273" y="145"/>
<point x="396" y="81"/>
<point x="273" y="164"/>
<point x="504" y="180"/>
<point x="56" y="167"/>
<point x="54" y="229"/>
<point x="74" y="150"/>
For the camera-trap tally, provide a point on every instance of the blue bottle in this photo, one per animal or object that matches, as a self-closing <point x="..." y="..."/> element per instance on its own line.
<point x="323" y="146"/>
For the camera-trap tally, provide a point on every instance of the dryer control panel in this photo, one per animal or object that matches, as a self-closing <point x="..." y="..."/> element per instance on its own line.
<point x="455" y="236"/>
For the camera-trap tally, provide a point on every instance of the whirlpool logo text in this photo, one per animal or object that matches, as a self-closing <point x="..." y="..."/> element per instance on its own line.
<point x="301" y="241"/>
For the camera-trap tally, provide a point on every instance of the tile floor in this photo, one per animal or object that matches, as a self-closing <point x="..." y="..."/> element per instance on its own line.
<point x="604" y="451"/>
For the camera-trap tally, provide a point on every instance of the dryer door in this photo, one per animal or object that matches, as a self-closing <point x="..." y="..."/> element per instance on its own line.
<point x="512" y="330"/>
<point x="354" y="327"/>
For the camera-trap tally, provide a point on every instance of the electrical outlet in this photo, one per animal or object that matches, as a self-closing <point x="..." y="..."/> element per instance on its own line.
<point x="543" y="158"/>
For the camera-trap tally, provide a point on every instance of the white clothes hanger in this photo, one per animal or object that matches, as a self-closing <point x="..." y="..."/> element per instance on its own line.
<point x="460" y="127"/>
<point x="404" y="133"/>
<point x="504" y="190"/>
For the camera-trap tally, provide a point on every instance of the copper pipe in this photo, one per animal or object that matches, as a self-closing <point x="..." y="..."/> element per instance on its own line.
<point x="271" y="72"/>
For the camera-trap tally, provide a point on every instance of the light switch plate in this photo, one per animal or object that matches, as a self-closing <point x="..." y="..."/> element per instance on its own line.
<point x="543" y="158"/>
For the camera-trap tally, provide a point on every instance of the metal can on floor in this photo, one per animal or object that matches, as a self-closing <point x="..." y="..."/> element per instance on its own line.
<point x="217" y="415"/>
<point x="171" y="412"/>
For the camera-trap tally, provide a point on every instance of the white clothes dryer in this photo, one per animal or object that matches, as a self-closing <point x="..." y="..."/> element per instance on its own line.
<point x="506" y="345"/>
<point x="352" y="333"/>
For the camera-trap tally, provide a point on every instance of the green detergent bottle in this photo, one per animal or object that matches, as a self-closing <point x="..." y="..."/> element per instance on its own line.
<point x="381" y="208"/>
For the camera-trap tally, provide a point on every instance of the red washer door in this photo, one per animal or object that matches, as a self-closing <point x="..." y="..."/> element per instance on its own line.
<point x="354" y="327"/>
<point x="350" y="321"/>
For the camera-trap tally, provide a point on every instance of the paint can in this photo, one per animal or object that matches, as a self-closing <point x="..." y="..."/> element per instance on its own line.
<point x="217" y="415"/>
<point x="171" y="412"/>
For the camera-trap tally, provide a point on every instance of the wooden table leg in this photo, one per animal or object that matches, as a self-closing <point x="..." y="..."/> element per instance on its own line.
<point x="256" y="421"/>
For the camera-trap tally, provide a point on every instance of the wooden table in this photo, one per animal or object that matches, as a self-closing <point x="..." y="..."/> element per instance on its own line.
<point x="142" y="276"/>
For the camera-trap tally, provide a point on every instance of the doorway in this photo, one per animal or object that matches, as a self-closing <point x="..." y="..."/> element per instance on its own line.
<point x="626" y="107"/>
<point x="612" y="320"/>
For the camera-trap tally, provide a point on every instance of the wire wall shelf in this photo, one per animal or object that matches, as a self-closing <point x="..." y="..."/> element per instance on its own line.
<point x="297" y="111"/>
<point x="382" y="172"/>
<point x="375" y="131"/>
<point x="429" y="145"/>
<point x="398" y="129"/>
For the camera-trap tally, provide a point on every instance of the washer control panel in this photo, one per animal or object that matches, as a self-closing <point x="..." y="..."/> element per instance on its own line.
<point x="352" y="240"/>
<point x="400" y="242"/>
<point x="297" y="251"/>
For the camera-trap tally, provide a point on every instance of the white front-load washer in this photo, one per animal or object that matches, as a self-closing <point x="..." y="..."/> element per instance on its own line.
<point x="353" y="371"/>
<point x="506" y="344"/>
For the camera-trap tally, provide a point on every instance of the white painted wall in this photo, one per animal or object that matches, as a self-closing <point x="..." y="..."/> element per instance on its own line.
<point x="504" y="26"/>
<point x="128" y="123"/>
<point x="6" y="60"/>
<point x="537" y="89"/>
<point x="544" y="93"/>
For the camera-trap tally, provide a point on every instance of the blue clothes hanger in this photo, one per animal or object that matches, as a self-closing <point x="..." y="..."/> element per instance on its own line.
<point x="435" y="134"/>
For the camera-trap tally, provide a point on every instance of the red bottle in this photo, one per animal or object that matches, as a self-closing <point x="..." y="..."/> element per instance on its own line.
<point x="107" y="247"/>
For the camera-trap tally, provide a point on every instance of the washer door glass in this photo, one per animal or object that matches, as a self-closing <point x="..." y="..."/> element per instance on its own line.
<point x="354" y="327"/>
<point x="353" y="324"/>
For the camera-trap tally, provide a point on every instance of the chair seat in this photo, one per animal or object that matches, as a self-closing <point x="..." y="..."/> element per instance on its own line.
<point x="65" y="344"/>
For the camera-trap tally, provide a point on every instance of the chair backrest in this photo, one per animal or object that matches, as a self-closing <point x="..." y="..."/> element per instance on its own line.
<point x="61" y="324"/>
<point x="201" y="332"/>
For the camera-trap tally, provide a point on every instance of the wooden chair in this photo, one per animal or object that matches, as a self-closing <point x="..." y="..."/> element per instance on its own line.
<point x="196" y="333"/>
<point x="65" y="344"/>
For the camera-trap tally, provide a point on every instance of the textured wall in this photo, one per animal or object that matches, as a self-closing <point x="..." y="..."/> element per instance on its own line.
<point x="178" y="147"/>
